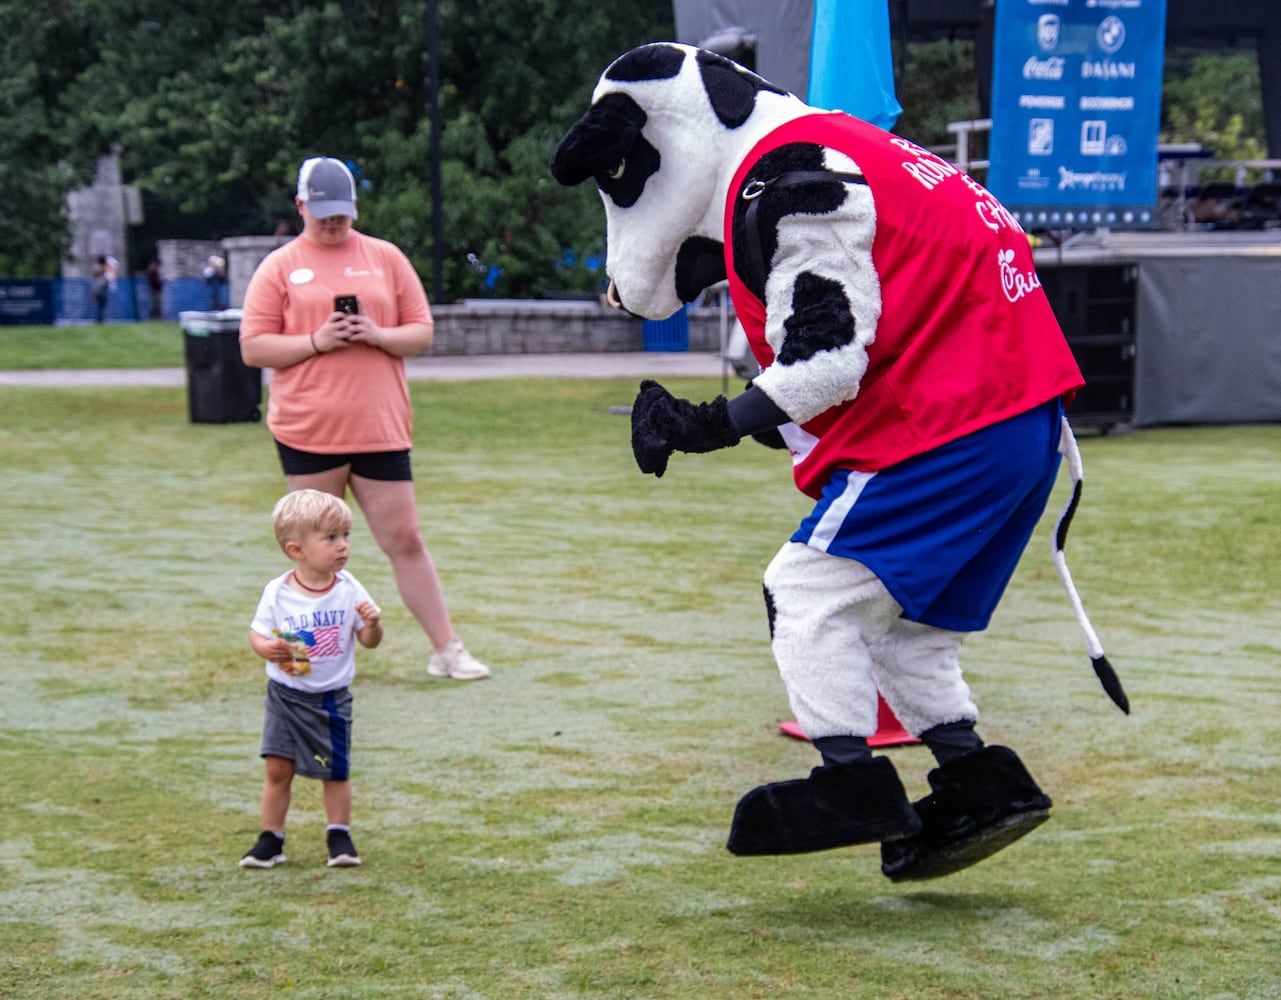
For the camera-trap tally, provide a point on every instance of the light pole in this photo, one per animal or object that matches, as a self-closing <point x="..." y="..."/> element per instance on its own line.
<point x="432" y="28"/>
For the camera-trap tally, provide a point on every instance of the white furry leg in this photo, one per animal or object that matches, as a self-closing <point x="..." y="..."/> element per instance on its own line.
<point x="823" y="609"/>
<point x="917" y="669"/>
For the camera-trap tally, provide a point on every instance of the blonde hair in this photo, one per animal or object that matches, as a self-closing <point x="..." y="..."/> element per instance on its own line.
<point x="298" y="514"/>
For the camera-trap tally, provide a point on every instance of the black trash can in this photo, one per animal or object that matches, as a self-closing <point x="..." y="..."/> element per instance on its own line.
<point x="221" y="388"/>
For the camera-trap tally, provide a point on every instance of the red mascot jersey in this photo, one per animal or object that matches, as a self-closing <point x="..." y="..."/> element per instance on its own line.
<point x="966" y="336"/>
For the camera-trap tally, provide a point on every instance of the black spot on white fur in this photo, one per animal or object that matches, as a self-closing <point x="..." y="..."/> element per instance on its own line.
<point x="700" y="263"/>
<point x="821" y="319"/>
<point x="771" y="612"/>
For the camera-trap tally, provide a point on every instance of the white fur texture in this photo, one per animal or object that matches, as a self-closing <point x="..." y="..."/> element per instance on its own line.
<point x="839" y="637"/>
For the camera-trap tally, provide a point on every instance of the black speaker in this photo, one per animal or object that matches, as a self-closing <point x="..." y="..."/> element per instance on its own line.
<point x="1096" y="306"/>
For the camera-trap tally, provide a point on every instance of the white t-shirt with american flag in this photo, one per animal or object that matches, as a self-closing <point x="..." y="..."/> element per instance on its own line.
<point x="326" y="622"/>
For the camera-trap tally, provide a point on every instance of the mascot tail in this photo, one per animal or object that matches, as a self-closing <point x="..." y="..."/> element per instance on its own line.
<point x="1107" y="676"/>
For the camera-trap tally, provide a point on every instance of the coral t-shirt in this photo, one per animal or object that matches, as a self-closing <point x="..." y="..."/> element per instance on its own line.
<point x="355" y="399"/>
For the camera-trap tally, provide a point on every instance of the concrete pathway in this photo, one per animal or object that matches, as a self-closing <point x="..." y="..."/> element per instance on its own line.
<point x="448" y="368"/>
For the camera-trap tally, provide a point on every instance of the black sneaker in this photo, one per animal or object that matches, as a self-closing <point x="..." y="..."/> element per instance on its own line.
<point x="342" y="852"/>
<point x="267" y="853"/>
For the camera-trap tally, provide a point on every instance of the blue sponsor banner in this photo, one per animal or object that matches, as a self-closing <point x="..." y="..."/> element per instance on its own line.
<point x="1076" y="108"/>
<point x="27" y="301"/>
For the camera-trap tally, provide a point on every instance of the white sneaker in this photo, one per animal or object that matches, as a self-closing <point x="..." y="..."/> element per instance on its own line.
<point x="454" y="661"/>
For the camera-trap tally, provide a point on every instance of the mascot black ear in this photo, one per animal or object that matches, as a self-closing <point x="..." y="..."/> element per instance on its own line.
<point x="731" y="89"/>
<point x="599" y="141"/>
<point x="658" y="61"/>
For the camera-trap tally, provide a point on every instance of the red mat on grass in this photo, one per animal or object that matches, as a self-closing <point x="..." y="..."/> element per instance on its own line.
<point x="889" y="731"/>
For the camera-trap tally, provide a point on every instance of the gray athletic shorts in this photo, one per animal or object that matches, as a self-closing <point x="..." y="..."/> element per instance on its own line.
<point x="313" y="729"/>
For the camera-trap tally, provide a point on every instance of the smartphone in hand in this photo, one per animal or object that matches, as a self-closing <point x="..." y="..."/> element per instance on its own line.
<point x="346" y="304"/>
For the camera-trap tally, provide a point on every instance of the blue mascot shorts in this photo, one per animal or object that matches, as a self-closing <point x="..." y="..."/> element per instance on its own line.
<point x="945" y="530"/>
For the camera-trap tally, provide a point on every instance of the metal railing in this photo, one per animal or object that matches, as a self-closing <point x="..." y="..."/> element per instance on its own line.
<point x="1179" y="165"/>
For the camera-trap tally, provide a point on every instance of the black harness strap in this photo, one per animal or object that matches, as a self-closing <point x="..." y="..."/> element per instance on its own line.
<point x="752" y="191"/>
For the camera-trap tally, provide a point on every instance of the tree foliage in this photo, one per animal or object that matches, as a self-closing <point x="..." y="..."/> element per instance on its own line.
<point x="936" y="86"/>
<point x="40" y="57"/>
<point x="214" y="103"/>
<point x="1214" y="99"/>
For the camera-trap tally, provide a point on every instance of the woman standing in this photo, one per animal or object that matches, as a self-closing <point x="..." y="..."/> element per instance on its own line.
<point x="334" y="313"/>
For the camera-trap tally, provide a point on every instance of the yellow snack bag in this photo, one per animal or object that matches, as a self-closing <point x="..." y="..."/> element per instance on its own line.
<point x="302" y="662"/>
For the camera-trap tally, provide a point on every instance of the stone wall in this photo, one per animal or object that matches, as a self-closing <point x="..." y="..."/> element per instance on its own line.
<point x="475" y="326"/>
<point x="518" y="326"/>
<point x="185" y="258"/>
<point x="97" y="216"/>
<point x="244" y="254"/>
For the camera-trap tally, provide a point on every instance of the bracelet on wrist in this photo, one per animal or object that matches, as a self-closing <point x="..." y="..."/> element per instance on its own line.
<point x="312" y="335"/>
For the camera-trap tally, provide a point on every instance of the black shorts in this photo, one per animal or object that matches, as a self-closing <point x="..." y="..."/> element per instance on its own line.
<point x="386" y="466"/>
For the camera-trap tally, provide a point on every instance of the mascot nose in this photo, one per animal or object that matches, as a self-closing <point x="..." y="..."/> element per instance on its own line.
<point x="614" y="299"/>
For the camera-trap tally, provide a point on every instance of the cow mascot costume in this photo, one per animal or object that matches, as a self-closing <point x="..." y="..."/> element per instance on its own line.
<point x="911" y="364"/>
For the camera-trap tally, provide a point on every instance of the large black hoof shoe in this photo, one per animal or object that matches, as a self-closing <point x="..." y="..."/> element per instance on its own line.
<point x="981" y="803"/>
<point x="904" y="861"/>
<point x="836" y="806"/>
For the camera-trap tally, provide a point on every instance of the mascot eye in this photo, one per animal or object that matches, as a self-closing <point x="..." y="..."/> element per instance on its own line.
<point x="617" y="172"/>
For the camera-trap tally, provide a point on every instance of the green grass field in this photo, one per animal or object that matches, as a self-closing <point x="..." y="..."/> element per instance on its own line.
<point x="558" y="831"/>
<point x="156" y="344"/>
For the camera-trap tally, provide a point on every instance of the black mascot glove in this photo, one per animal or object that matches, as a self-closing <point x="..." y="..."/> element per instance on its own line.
<point x="662" y="424"/>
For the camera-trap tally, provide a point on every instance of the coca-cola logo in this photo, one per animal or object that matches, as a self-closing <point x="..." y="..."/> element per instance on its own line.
<point x="1043" y="69"/>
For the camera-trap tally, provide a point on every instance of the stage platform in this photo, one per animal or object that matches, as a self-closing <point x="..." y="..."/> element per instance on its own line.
<point x="1195" y="317"/>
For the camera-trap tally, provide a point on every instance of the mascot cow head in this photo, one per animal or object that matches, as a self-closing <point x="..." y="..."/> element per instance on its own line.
<point x="667" y="127"/>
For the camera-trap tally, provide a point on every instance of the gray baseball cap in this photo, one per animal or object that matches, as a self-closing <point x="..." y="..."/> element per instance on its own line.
<point x="328" y="188"/>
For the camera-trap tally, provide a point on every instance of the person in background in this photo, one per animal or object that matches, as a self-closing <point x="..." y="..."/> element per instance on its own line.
<point x="100" y="289"/>
<point x="215" y="275"/>
<point x="334" y="313"/>
<point x="156" y="284"/>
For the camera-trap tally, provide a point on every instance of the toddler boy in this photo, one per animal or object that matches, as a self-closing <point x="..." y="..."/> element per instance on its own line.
<point x="305" y="628"/>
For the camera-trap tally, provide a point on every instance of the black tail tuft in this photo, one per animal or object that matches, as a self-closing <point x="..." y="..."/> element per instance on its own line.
<point x="1111" y="682"/>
